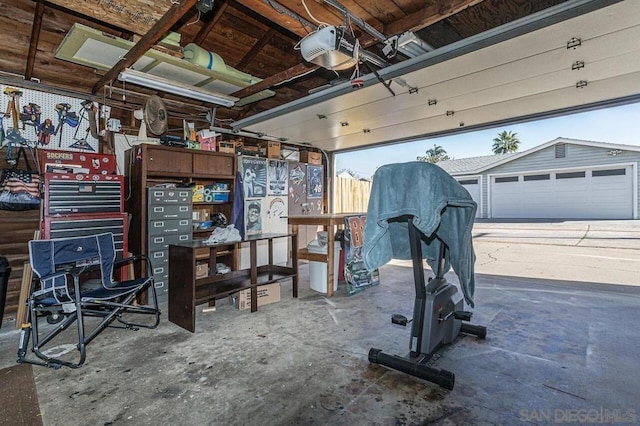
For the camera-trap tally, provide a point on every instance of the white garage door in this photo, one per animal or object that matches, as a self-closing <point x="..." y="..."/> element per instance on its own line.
<point x="582" y="194"/>
<point x="473" y="186"/>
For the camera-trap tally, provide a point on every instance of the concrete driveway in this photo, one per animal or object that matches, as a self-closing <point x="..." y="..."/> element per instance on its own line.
<point x="605" y="252"/>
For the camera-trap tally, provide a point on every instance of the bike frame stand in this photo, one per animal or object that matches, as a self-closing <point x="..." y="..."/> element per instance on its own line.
<point x="437" y="320"/>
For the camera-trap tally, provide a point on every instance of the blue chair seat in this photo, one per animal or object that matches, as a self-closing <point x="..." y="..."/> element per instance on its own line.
<point x="59" y="265"/>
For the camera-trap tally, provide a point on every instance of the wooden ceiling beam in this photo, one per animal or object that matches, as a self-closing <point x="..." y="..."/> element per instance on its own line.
<point x="428" y="15"/>
<point x="136" y="16"/>
<point x="33" y="41"/>
<point x="255" y="49"/>
<point x="288" y="74"/>
<point x="206" y="28"/>
<point x="270" y="11"/>
<point x="164" y="24"/>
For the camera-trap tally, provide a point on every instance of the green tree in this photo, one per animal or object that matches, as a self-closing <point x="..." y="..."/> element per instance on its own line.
<point x="505" y="142"/>
<point x="435" y="154"/>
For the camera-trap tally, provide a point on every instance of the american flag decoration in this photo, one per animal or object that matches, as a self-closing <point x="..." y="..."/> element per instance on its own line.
<point x="16" y="181"/>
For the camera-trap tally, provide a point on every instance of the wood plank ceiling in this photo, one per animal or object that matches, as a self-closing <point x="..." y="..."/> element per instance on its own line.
<point x="254" y="36"/>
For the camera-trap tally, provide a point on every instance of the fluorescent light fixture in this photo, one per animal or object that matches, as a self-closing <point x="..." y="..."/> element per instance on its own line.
<point x="175" y="88"/>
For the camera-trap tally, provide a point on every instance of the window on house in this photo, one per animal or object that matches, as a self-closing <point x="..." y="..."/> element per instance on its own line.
<point x="570" y="175"/>
<point x="506" y="179"/>
<point x="561" y="150"/>
<point x="610" y="172"/>
<point x="546" y="176"/>
<point x="468" y="182"/>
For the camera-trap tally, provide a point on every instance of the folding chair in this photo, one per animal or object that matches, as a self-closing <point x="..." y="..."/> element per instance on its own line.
<point x="73" y="280"/>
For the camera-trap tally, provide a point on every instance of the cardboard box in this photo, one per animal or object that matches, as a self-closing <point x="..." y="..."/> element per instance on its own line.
<point x="238" y="146"/>
<point x="273" y="150"/>
<point x="269" y="293"/>
<point x="253" y="151"/>
<point x="202" y="270"/>
<point x="207" y="139"/>
<point x="200" y="215"/>
<point x="290" y="153"/>
<point x="311" y="157"/>
<point x="227" y="147"/>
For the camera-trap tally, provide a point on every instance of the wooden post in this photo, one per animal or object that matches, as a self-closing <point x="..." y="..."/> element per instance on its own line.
<point x="25" y="287"/>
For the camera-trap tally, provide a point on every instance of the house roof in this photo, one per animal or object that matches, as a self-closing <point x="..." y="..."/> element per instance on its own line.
<point x="471" y="164"/>
<point x="477" y="165"/>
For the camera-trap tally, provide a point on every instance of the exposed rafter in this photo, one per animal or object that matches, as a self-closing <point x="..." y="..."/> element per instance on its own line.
<point x="288" y="74"/>
<point x="206" y="29"/>
<point x="429" y="15"/>
<point x="274" y="11"/>
<point x="421" y="19"/>
<point x="33" y="41"/>
<point x="251" y="36"/>
<point x="164" y="24"/>
<point x="256" y="48"/>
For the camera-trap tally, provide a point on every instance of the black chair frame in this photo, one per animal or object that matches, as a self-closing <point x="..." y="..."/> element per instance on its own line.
<point x="110" y="305"/>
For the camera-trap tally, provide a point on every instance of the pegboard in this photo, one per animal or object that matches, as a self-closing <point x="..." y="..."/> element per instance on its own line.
<point x="74" y="133"/>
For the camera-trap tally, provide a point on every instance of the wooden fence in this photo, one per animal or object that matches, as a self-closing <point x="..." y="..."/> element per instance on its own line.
<point x="351" y="195"/>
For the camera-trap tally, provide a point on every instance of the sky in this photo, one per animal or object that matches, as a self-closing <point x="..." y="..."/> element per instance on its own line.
<point x="613" y="125"/>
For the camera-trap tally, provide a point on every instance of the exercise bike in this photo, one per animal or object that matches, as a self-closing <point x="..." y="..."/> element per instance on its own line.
<point x="438" y="318"/>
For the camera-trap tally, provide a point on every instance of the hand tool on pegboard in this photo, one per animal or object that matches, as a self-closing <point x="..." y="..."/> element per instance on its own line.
<point x="13" y="107"/>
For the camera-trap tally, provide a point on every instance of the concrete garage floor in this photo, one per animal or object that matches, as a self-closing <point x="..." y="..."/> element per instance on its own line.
<point x="557" y="351"/>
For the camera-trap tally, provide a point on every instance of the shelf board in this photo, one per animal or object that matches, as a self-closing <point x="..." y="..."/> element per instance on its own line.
<point x="212" y="203"/>
<point x="202" y="231"/>
<point x="218" y="254"/>
<point x="304" y="254"/>
<point x="226" y="286"/>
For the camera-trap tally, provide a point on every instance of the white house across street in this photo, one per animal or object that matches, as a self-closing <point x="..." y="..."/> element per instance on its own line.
<point x="561" y="179"/>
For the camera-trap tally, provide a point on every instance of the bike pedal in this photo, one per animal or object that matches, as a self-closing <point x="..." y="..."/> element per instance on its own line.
<point x="399" y="319"/>
<point x="462" y="315"/>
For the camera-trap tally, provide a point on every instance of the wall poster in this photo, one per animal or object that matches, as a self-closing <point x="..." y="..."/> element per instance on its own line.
<point x="356" y="274"/>
<point x="253" y="216"/>
<point x="299" y="203"/>
<point x="254" y="177"/>
<point x="277" y="207"/>
<point x="277" y="174"/>
<point x="314" y="181"/>
<point x="298" y="189"/>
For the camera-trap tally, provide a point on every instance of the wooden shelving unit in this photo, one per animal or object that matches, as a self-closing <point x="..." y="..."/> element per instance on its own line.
<point x="186" y="291"/>
<point x="153" y="165"/>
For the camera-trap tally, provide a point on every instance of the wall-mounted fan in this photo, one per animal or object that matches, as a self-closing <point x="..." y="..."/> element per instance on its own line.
<point x="154" y="118"/>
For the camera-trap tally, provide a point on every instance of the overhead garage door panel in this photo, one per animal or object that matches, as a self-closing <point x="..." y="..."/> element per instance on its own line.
<point x="473" y="186"/>
<point x="504" y="74"/>
<point x="571" y="195"/>
<point x="536" y="199"/>
<point x="611" y="195"/>
<point x="572" y="200"/>
<point x="506" y="199"/>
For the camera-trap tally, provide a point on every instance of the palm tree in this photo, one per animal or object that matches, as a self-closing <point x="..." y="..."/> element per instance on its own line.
<point x="505" y="142"/>
<point x="435" y="154"/>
